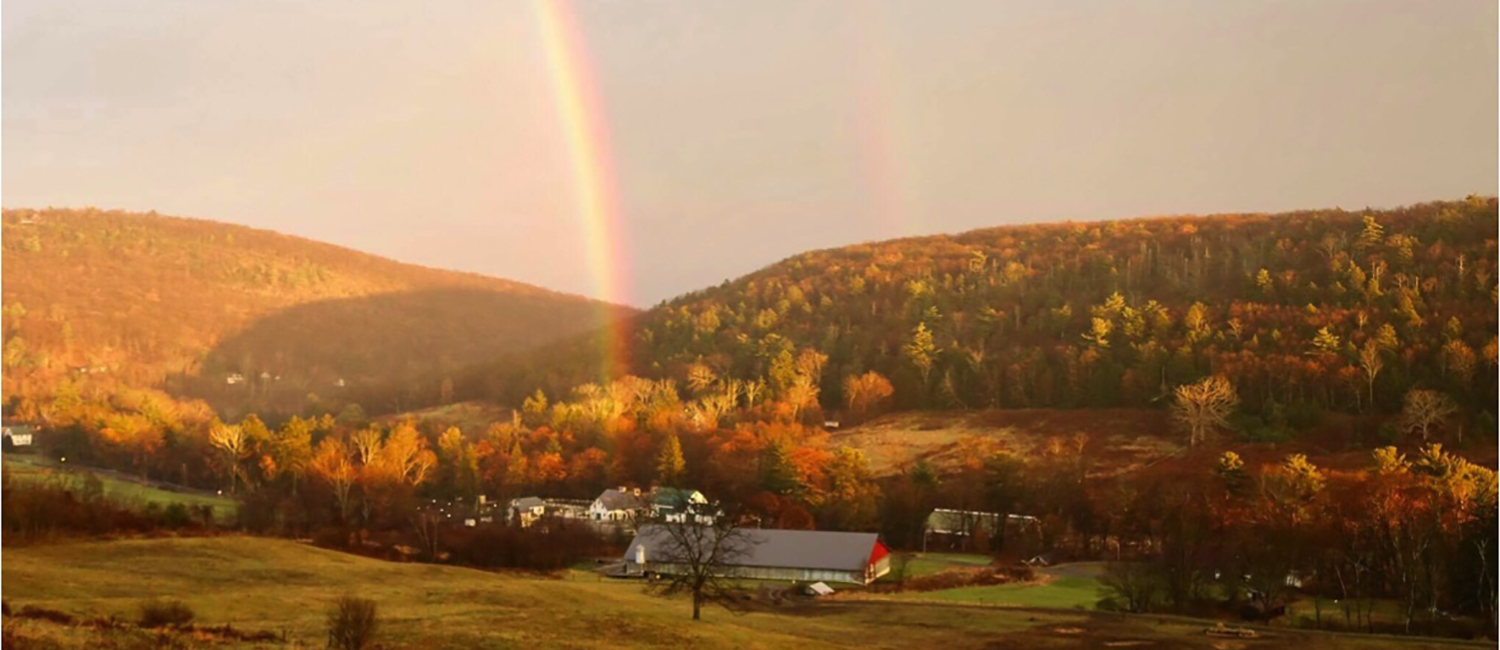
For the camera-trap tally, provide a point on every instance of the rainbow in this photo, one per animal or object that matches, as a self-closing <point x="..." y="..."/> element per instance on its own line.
<point x="875" y="77"/>
<point x="598" y="207"/>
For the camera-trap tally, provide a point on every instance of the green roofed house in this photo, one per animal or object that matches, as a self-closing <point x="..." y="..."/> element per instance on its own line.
<point x="676" y="505"/>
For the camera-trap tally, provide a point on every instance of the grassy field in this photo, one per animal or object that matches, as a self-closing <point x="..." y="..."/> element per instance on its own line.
<point x="278" y="585"/>
<point x="1072" y="586"/>
<point x="122" y="489"/>
<point x="1058" y="593"/>
<point x="1135" y="437"/>
<point x="925" y="564"/>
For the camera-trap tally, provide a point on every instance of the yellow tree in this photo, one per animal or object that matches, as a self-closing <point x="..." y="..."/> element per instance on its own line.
<point x="921" y="352"/>
<point x="331" y="463"/>
<point x="229" y="439"/>
<point x="867" y="394"/>
<point x="670" y="465"/>
<point x="405" y="455"/>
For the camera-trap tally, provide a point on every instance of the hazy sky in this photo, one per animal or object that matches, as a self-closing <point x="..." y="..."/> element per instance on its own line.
<point x="740" y="132"/>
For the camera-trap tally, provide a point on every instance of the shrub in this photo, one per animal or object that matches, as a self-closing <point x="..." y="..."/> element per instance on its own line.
<point x="176" y="516"/>
<point x="955" y="578"/>
<point x="1133" y="585"/>
<point x="555" y="545"/>
<point x="1485" y="422"/>
<point x="1390" y="434"/>
<point x="161" y="613"/>
<point x="351" y="623"/>
<point x="32" y="611"/>
<point x="1253" y="428"/>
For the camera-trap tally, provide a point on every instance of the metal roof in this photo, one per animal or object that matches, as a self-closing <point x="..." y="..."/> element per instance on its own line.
<point x="943" y="520"/>
<point x="613" y="499"/>
<point x="788" y="549"/>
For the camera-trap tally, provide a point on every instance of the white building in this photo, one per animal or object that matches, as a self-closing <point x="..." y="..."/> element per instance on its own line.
<point x="801" y="555"/>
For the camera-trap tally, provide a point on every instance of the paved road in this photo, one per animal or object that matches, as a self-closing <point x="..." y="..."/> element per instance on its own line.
<point x="1075" y="570"/>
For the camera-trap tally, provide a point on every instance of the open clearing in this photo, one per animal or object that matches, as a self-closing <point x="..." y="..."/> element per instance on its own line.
<point x="117" y="487"/>
<point x="1116" y="441"/>
<point x="1121" y="439"/>
<point x="277" y="585"/>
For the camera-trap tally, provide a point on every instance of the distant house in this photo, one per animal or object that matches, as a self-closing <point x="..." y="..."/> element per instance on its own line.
<point x="16" y="435"/>
<point x="625" y="505"/>
<point x="801" y="555"/>
<point x="620" y="504"/>
<point x="234" y="378"/>
<point x="566" y="508"/>
<point x="525" y="511"/>
<point x="676" y="505"/>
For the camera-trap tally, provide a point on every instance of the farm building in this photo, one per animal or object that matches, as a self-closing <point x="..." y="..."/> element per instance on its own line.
<point x="802" y="555"/>
<point x="956" y="527"/>
<point x="17" y="435"/>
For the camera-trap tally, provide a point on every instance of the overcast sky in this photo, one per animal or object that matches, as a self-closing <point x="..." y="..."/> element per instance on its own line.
<point x="740" y="132"/>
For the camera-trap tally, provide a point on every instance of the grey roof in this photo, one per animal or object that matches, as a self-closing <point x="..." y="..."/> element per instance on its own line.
<point x="526" y="503"/>
<point x="787" y="549"/>
<point x="943" y="520"/>
<point x="613" y="499"/>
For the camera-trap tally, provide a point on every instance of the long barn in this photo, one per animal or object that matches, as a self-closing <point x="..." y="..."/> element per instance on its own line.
<point x="803" y="555"/>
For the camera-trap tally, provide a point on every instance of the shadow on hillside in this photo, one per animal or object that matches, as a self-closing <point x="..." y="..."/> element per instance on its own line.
<point x="385" y="352"/>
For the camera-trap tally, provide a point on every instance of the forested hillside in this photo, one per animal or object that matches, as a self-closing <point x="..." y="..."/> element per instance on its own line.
<point x="247" y="319"/>
<point x="1302" y="312"/>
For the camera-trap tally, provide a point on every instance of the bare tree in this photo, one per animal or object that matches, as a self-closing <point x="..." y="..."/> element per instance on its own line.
<point x="695" y="554"/>
<point x="426" y="526"/>
<point x="1423" y="409"/>
<point x="1372" y="364"/>
<point x="1203" y="406"/>
<point x="1135" y="583"/>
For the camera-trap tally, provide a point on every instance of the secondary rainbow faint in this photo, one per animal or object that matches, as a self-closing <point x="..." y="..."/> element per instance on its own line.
<point x="876" y="76"/>
<point x="597" y="204"/>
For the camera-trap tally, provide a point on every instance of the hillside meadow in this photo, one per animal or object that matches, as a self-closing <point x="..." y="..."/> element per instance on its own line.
<point x="123" y="489"/>
<point x="283" y="587"/>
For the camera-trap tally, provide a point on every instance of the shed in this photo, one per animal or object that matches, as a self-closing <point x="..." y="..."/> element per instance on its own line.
<point x="17" y="435"/>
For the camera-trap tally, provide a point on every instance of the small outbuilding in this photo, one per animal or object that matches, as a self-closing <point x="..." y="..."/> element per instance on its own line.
<point x="17" y="435"/>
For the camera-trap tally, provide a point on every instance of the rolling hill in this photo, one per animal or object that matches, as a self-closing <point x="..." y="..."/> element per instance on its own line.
<point x="1305" y="312"/>
<point x="247" y="319"/>
<point x="282" y="587"/>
